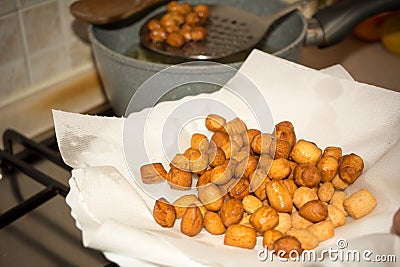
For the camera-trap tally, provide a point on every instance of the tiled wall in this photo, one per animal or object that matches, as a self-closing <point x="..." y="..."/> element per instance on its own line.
<point x="40" y="42"/>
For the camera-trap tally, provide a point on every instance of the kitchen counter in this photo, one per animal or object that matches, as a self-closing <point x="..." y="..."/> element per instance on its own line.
<point x="32" y="115"/>
<point x="366" y="62"/>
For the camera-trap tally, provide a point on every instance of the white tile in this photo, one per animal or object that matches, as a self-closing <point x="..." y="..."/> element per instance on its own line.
<point x="74" y="28"/>
<point x="29" y="3"/>
<point x="13" y="80"/>
<point x="48" y="63"/>
<point x="42" y="26"/>
<point x="80" y="53"/>
<point x="7" y="6"/>
<point x="10" y="44"/>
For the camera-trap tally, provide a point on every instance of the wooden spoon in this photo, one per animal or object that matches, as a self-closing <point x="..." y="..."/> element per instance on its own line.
<point x="101" y="12"/>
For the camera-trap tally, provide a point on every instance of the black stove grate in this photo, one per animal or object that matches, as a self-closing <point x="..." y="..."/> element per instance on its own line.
<point x="11" y="161"/>
<point x="29" y="151"/>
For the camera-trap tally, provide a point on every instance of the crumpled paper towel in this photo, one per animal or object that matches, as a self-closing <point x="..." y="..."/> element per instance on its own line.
<point x="115" y="215"/>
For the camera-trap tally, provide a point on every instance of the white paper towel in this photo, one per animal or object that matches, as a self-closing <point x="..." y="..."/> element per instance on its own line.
<point x="115" y="215"/>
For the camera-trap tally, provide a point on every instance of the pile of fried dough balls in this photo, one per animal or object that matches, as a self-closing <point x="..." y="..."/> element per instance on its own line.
<point x="181" y="24"/>
<point x="253" y="184"/>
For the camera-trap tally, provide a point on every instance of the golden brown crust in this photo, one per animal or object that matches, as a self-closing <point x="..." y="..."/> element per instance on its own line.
<point x="306" y="174"/>
<point x="231" y="212"/>
<point x="305" y="152"/>
<point x="264" y="218"/>
<point x="240" y="236"/>
<point x="164" y="213"/>
<point x="153" y="173"/>
<point x="213" y="223"/>
<point x="278" y="196"/>
<point x="350" y="167"/>
<point x="314" y="211"/>
<point x="288" y="244"/>
<point x="192" y="221"/>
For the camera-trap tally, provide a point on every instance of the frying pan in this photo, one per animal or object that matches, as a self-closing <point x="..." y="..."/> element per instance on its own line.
<point x="123" y="65"/>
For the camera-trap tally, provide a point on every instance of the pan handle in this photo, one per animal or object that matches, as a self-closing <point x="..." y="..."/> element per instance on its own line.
<point x="338" y="20"/>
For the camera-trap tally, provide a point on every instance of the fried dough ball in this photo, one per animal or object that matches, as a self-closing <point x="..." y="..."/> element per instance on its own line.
<point x="182" y="203"/>
<point x="240" y="189"/>
<point x="306" y="174"/>
<point x="305" y="152"/>
<point x="242" y="236"/>
<point x="338" y="183"/>
<point x="259" y="188"/>
<point x="279" y="197"/>
<point x="284" y="223"/>
<point x="158" y="35"/>
<point x="186" y="32"/>
<point x="213" y="223"/>
<point x="264" y="218"/>
<point x="192" y="221"/>
<point x="220" y="138"/>
<point x="251" y="133"/>
<point x="198" y="33"/>
<point x="173" y="6"/>
<point x="270" y="236"/>
<point x="216" y="156"/>
<point x="175" y="39"/>
<point x="286" y="246"/>
<point x="325" y="191"/>
<point x="350" y="167"/>
<point x="314" y="211"/>
<point x="179" y="179"/>
<point x="280" y="148"/>
<point x="211" y="197"/>
<point x="184" y="8"/>
<point x="164" y="213"/>
<point x="192" y="19"/>
<point x="328" y="167"/>
<point x="251" y="203"/>
<point x="231" y="212"/>
<point x="256" y="178"/>
<point x="153" y="173"/>
<point x="359" y="204"/>
<point x="303" y="195"/>
<point x="202" y="11"/>
<point x="167" y="21"/>
<point x="280" y="169"/>
<point x="291" y="186"/>
<point x="180" y="161"/>
<point x="221" y="174"/>
<point x="204" y="179"/>
<point x="285" y="130"/>
<point x="215" y="122"/>
<point x="323" y="230"/>
<point x="154" y="24"/>
<point x="333" y="151"/>
<point x="199" y="142"/>
<point x="230" y="148"/>
<point x="246" y="167"/>
<point x="261" y="143"/>
<point x="307" y="239"/>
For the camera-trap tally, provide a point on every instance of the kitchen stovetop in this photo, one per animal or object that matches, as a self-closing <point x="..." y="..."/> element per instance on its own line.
<point x="49" y="237"/>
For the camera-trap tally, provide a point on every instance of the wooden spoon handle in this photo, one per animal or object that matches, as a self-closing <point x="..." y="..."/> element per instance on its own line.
<point x="101" y="12"/>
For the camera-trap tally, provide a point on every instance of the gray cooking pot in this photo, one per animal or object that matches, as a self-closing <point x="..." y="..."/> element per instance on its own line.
<point x="124" y="66"/>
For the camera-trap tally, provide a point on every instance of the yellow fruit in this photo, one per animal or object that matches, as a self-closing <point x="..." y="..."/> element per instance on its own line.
<point x="391" y="34"/>
<point x="370" y="29"/>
